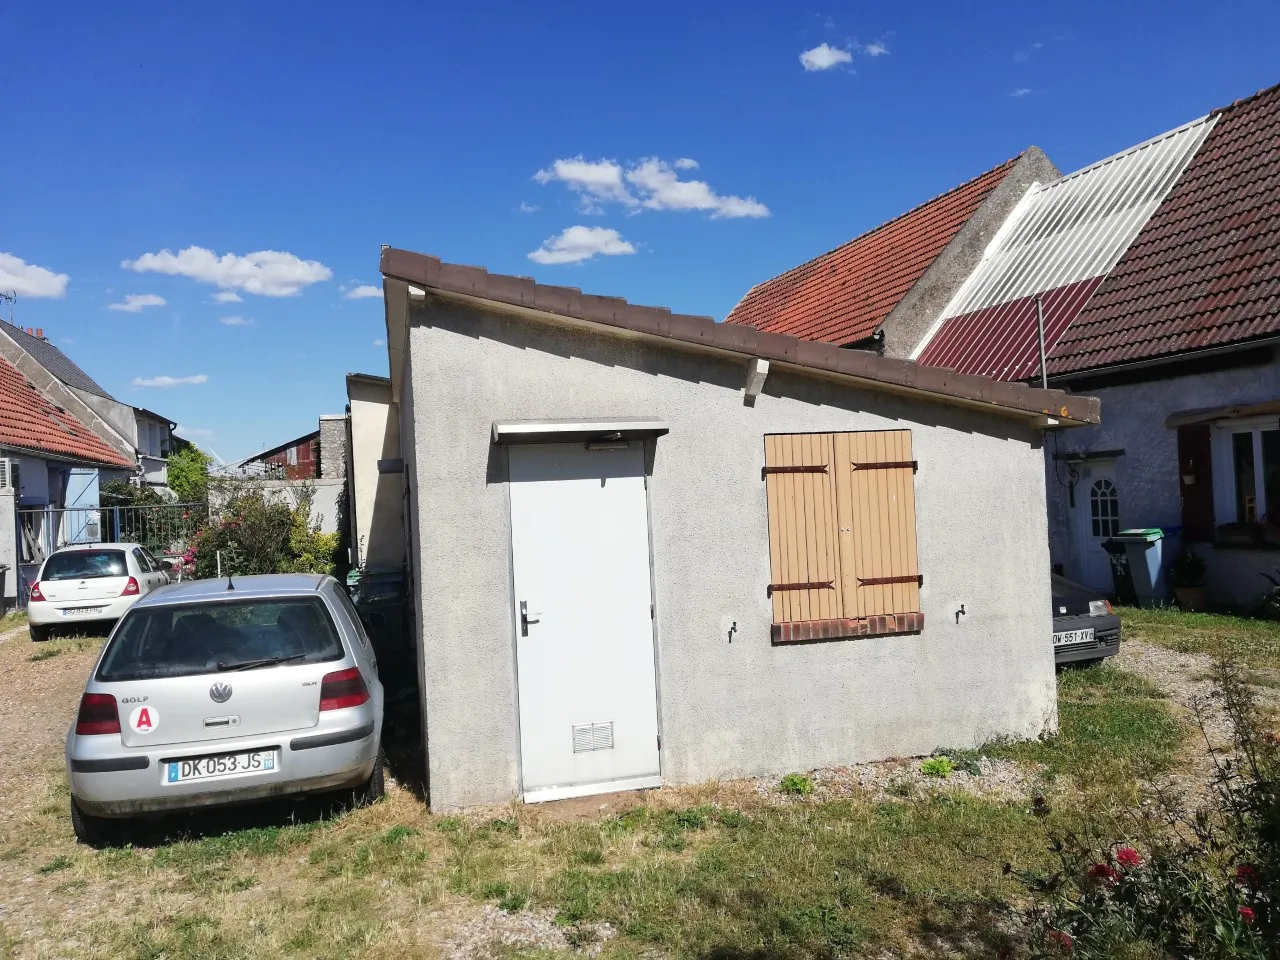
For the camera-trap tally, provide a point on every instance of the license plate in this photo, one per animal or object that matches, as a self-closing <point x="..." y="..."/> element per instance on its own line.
<point x="82" y="611"/>
<point x="1068" y="637"/>
<point x="223" y="765"/>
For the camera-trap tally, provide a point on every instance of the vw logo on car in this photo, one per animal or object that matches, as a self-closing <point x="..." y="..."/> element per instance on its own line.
<point x="220" y="692"/>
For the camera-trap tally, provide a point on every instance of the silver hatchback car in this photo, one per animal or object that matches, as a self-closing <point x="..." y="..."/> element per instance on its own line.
<point x="217" y="692"/>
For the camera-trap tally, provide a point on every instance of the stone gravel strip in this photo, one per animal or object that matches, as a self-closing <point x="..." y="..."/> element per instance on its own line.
<point x="492" y="929"/>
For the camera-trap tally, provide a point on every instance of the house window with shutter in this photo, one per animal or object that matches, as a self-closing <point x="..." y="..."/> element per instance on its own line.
<point x="842" y="535"/>
<point x="1239" y="495"/>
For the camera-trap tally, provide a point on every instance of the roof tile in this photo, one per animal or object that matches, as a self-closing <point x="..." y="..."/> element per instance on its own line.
<point x="29" y="421"/>
<point x="844" y="295"/>
<point x="1205" y="270"/>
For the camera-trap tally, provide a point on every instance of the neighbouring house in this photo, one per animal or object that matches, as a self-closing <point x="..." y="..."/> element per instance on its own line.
<point x="45" y="455"/>
<point x="142" y="435"/>
<point x="1155" y="275"/>
<point x="646" y="547"/>
<point x="313" y="464"/>
<point x="375" y="475"/>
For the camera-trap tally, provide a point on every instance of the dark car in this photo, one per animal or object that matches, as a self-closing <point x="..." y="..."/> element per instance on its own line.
<point x="1085" y="629"/>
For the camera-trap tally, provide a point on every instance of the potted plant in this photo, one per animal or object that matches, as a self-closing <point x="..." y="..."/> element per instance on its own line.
<point x="1186" y="572"/>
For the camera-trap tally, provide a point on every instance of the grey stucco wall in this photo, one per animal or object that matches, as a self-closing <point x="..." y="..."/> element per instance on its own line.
<point x="1133" y="420"/>
<point x="8" y="548"/>
<point x="737" y="708"/>
<point x="122" y="417"/>
<point x="915" y="314"/>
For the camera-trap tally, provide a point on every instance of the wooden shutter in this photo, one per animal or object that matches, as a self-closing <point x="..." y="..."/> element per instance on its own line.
<point x="1195" y="482"/>
<point x="803" y="552"/>
<point x="842" y="535"/>
<point x="876" y="492"/>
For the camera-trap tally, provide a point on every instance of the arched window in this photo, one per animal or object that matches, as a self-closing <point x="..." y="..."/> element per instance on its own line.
<point x="1104" y="508"/>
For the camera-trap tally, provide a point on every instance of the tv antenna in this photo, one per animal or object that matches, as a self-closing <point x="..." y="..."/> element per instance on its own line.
<point x="10" y="298"/>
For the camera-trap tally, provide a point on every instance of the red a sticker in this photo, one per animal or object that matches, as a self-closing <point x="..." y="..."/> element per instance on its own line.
<point x="144" y="719"/>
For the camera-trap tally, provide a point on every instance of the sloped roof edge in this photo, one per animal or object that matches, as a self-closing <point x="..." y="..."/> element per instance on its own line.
<point x="614" y="312"/>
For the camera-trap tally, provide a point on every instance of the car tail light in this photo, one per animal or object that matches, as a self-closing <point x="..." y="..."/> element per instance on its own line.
<point x="343" y="689"/>
<point x="130" y="588"/>
<point x="98" y="714"/>
<point x="35" y="593"/>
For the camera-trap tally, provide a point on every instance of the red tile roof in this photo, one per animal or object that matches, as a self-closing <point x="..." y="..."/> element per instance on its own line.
<point x="843" y="296"/>
<point x="29" y="421"/>
<point x="1205" y="270"/>
<point x="1002" y="341"/>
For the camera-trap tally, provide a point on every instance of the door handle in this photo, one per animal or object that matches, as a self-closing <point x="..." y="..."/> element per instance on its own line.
<point x="525" y="619"/>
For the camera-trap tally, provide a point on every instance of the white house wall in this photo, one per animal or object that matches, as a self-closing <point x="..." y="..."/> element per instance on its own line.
<point x="732" y="704"/>
<point x="1133" y="420"/>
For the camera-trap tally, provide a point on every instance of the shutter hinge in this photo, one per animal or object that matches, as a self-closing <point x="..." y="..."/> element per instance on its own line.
<point x="652" y="615"/>
<point x="784" y="587"/>
<point x="889" y="465"/>
<point x="882" y="581"/>
<point x="659" y="743"/>
<point x="803" y="468"/>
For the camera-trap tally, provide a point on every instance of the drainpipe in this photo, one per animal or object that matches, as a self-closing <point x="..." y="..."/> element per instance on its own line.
<point x="1044" y="370"/>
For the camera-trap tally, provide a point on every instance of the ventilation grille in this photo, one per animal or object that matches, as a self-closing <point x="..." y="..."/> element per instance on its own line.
<point x="592" y="736"/>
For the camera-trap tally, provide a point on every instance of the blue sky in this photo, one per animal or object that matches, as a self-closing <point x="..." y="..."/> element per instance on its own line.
<point x="319" y="131"/>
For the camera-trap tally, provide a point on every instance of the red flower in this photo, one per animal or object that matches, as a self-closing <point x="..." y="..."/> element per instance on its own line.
<point x="1128" y="858"/>
<point x="1246" y="914"/>
<point x="1246" y="876"/>
<point x="1104" y="873"/>
<point x="1063" y="940"/>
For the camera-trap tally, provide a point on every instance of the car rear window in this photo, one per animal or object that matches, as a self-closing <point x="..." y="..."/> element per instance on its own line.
<point x="181" y="640"/>
<point x="84" y="565"/>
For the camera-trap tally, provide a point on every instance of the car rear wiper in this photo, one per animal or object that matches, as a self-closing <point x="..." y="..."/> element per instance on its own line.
<point x="254" y="664"/>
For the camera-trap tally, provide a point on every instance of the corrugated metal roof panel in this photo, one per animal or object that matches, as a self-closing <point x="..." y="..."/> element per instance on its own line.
<point x="1001" y="341"/>
<point x="1079" y="226"/>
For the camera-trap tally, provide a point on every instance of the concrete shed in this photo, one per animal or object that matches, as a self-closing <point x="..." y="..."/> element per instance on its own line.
<point x="651" y="548"/>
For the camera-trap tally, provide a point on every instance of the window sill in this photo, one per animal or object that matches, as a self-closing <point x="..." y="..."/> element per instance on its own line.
<point x="807" y="631"/>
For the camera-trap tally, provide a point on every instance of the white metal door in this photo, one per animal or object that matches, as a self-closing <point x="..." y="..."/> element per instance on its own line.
<point x="584" y="628"/>
<point x="1097" y="518"/>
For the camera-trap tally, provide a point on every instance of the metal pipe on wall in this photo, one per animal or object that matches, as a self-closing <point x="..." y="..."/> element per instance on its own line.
<point x="1044" y="371"/>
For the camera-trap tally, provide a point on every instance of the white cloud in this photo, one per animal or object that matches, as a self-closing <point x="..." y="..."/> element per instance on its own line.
<point x="268" y="273"/>
<point x="594" y="180"/>
<point x="227" y="296"/>
<point x="169" y="381"/>
<point x="650" y="183"/>
<point x="194" y="433"/>
<point x="577" y="244"/>
<point x="1022" y="56"/>
<point x="137" y="302"/>
<point x="824" y="57"/>
<point x="27" y="280"/>
<point x="876" y="48"/>
<point x="366" y="291"/>
<point x="663" y="189"/>
<point x="236" y="321"/>
<point x="528" y="207"/>
<point x="68" y="341"/>
<point x="379" y="342"/>
<point x="1020" y="91"/>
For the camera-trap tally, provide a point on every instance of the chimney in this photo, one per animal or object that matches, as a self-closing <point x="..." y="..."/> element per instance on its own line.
<point x="30" y="332"/>
<point x="39" y="333"/>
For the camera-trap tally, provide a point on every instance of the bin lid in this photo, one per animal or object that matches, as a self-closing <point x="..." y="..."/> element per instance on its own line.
<point x="1143" y="534"/>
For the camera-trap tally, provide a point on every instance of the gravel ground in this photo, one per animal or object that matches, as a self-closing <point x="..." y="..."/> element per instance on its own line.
<point x="492" y="929"/>
<point x="895" y="779"/>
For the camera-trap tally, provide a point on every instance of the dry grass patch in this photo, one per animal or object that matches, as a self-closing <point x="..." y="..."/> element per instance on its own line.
<point x="1255" y="643"/>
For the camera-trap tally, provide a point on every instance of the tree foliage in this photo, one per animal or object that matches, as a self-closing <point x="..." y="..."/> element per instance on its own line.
<point x="189" y="474"/>
<point x="256" y="533"/>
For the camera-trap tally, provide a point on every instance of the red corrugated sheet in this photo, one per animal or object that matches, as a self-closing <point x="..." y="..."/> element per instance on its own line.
<point x="1002" y="341"/>
<point x="1205" y="270"/>
<point x="843" y="296"/>
<point x="31" y="422"/>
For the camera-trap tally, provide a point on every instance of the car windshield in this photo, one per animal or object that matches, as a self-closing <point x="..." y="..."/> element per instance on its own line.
<point x="181" y="640"/>
<point x="84" y="564"/>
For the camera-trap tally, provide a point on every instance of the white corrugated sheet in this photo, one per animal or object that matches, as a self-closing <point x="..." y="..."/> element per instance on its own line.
<point x="1080" y="225"/>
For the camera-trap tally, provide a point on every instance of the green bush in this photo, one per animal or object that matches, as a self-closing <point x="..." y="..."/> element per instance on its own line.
<point x="937" y="767"/>
<point x="257" y="535"/>
<point x="797" y="784"/>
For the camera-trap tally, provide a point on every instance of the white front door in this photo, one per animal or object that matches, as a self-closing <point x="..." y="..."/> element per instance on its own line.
<point x="584" y="627"/>
<point x="1097" y="519"/>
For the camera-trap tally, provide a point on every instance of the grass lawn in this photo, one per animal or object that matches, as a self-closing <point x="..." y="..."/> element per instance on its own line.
<point x="1255" y="642"/>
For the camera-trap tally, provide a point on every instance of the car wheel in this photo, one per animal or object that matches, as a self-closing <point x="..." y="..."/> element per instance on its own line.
<point x="94" y="831"/>
<point x="39" y="634"/>
<point x="374" y="789"/>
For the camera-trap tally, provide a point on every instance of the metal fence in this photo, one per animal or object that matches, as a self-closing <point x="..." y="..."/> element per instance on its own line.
<point x="165" y="529"/>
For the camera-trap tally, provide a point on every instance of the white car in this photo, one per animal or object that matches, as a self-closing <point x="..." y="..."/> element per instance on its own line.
<point x="91" y="582"/>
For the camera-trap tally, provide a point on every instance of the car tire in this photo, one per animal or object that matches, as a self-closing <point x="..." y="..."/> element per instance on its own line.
<point x="39" y="634"/>
<point x="93" y="831"/>
<point x="375" y="787"/>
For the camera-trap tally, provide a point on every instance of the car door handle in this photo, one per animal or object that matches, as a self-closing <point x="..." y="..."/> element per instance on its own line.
<point x="525" y="619"/>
